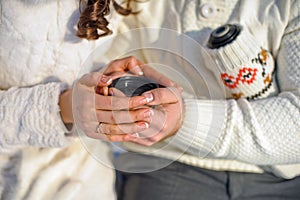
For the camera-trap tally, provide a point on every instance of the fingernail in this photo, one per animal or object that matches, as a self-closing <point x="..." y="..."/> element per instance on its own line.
<point x="180" y="89"/>
<point x="111" y="92"/>
<point x="149" y="113"/>
<point x="138" y="70"/>
<point x="143" y="125"/>
<point x="105" y="79"/>
<point x="137" y="135"/>
<point x="149" y="97"/>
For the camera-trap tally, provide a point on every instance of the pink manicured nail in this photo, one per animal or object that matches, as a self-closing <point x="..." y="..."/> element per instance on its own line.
<point x="105" y="79"/>
<point x="149" y="113"/>
<point x="110" y="92"/>
<point x="149" y="97"/>
<point x="137" y="135"/>
<point x="137" y="70"/>
<point x="143" y="125"/>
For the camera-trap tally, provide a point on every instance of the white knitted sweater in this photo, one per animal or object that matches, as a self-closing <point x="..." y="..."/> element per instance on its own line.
<point x="40" y="56"/>
<point x="250" y="136"/>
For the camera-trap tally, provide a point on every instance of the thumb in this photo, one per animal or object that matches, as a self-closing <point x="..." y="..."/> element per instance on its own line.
<point x="95" y="79"/>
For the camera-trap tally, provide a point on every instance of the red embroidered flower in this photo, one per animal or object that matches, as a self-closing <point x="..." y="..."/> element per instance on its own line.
<point x="229" y="81"/>
<point x="246" y="75"/>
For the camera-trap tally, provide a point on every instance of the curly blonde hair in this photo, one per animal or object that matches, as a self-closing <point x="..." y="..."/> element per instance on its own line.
<point x="92" y="23"/>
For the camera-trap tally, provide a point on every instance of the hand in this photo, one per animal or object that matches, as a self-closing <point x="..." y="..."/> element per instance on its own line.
<point x="119" y="67"/>
<point x="65" y="99"/>
<point x="97" y="81"/>
<point x="165" y="120"/>
<point x="163" y="116"/>
<point x="120" y="116"/>
<point x="90" y="108"/>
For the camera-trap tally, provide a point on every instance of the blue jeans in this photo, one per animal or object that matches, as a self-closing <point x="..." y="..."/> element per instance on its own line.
<point x="178" y="181"/>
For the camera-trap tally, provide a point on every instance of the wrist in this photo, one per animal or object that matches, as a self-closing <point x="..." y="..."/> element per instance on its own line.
<point x="65" y="104"/>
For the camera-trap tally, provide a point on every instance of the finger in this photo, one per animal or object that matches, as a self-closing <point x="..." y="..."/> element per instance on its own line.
<point x="158" y="77"/>
<point x="126" y="116"/>
<point x="163" y="96"/>
<point x="116" y="138"/>
<point x="156" y="124"/>
<point x="125" y="64"/>
<point x="117" y="74"/>
<point x="143" y="137"/>
<point x="119" y="103"/>
<point x="135" y="138"/>
<point x="102" y="90"/>
<point x="105" y="91"/>
<point x="160" y="128"/>
<point x="145" y="141"/>
<point x="116" y="92"/>
<point x="95" y="79"/>
<point x="146" y="138"/>
<point x="118" y="129"/>
<point x="90" y="130"/>
<point x="107" y="138"/>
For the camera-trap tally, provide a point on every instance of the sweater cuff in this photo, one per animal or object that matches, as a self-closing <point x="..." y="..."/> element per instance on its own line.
<point x="237" y="53"/>
<point x="31" y="116"/>
<point x="203" y="125"/>
<point x="52" y="129"/>
<point x="245" y="68"/>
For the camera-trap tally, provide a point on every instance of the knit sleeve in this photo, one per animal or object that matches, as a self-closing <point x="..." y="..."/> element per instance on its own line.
<point x="31" y="116"/>
<point x="264" y="131"/>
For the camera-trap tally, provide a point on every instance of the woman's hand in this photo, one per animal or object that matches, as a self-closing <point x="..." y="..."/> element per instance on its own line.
<point x="162" y="116"/>
<point x="119" y="118"/>
<point x="92" y="111"/>
<point x="167" y="108"/>
<point x="85" y="88"/>
<point x="65" y="99"/>
<point x="158" y="119"/>
<point x="119" y="67"/>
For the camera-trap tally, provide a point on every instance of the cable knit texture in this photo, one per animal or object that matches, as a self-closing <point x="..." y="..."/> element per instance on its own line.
<point x="40" y="56"/>
<point x="35" y="120"/>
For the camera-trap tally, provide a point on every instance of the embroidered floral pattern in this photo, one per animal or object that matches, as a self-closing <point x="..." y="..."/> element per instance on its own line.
<point x="246" y="75"/>
<point x="253" y="80"/>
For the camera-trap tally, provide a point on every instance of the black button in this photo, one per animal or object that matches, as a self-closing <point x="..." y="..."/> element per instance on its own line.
<point x="223" y="35"/>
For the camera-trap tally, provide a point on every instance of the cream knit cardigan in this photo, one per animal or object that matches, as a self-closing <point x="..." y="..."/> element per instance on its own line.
<point x="39" y="54"/>
<point x="248" y="136"/>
